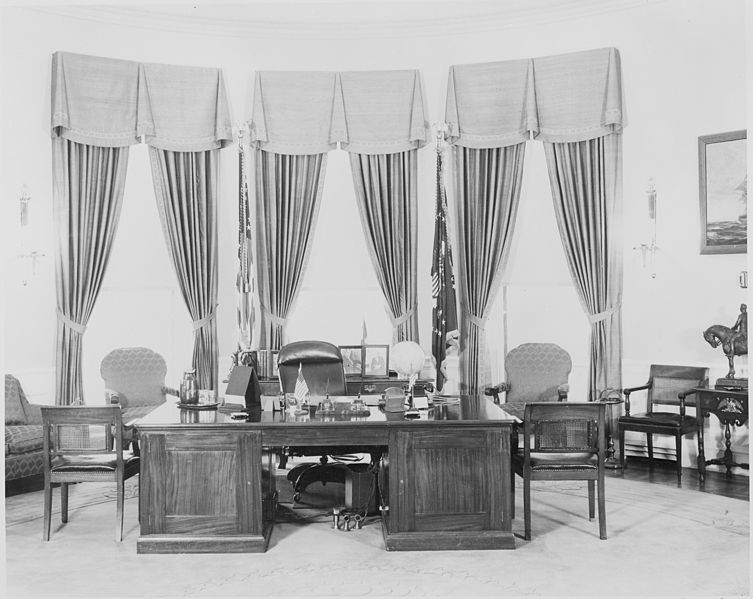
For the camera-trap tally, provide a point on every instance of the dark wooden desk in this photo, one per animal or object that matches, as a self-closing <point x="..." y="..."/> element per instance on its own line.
<point x="730" y="407"/>
<point x="207" y="481"/>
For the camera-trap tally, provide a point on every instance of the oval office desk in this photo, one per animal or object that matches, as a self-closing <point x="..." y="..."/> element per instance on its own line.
<point x="207" y="481"/>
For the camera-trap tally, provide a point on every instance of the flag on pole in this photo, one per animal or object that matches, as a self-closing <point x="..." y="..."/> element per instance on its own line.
<point x="444" y="312"/>
<point x="363" y="333"/>
<point x="244" y="281"/>
<point x="301" y="388"/>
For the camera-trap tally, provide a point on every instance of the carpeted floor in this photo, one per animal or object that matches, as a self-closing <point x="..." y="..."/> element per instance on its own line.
<point x="662" y="542"/>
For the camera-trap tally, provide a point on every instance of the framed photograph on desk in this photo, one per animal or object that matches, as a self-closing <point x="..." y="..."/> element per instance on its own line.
<point x="352" y="359"/>
<point x="376" y="359"/>
<point x="273" y="363"/>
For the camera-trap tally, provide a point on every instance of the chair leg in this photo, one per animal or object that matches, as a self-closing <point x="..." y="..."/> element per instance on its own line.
<point x="527" y="508"/>
<point x="650" y="444"/>
<point x="622" y="448"/>
<point x="64" y="502"/>
<point x="602" y="510"/>
<point x="47" y="510"/>
<point x="119" y="522"/>
<point x="678" y="452"/>
<point x="591" y="500"/>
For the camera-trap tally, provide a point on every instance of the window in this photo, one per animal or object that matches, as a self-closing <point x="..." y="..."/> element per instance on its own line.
<point x="537" y="301"/>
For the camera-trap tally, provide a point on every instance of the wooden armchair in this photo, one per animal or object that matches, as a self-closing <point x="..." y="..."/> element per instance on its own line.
<point x="568" y="444"/>
<point x="666" y="386"/>
<point x="67" y="461"/>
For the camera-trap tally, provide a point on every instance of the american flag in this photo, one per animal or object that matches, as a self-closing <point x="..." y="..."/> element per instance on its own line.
<point x="444" y="313"/>
<point x="301" y="388"/>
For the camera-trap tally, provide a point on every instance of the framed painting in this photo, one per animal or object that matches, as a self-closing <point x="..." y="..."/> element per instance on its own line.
<point x="376" y="359"/>
<point x="352" y="359"/>
<point x="723" y="194"/>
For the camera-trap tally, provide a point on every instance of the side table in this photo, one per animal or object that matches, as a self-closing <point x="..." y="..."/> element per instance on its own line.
<point x="730" y="407"/>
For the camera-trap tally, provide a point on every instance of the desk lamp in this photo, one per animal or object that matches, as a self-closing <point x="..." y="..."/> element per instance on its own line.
<point x="407" y="358"/>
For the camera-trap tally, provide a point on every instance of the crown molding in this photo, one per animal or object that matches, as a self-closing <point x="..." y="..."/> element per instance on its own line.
<point x="354" y="19"/>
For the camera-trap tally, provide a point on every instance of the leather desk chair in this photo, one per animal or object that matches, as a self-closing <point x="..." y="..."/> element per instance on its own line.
<point x="322" y="367"/>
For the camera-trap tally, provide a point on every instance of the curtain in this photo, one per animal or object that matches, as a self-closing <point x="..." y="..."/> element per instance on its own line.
<point x="585" y="178"/>
<point x="385" y="187"/>
<point x="288" y="195"/>
<point x="88" y="184"/>
<point x="186" y="188"/>
<point x="487" y="190"/>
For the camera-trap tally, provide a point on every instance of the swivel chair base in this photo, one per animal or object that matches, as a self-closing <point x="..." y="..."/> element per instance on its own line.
<point x="303" y="475"/>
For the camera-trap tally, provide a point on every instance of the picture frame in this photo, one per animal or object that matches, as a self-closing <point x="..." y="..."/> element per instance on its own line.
<point x="352" y="359"/>
<point x="273" y="355"/>
<point x="722" y="173"/>
<point x="376" y="360"/>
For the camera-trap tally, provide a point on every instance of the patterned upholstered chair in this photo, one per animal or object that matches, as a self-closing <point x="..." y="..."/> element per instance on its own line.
<point x="24" y="454"/>
<point x="135" y="379"/>
<point x="534" y="372"/>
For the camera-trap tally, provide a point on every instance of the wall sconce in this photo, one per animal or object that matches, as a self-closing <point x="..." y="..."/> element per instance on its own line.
<point x="27" y="257"/>
<point x="649" y="249"/>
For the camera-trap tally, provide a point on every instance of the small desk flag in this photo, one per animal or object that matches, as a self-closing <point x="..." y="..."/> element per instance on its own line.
<point x="301" y="388"/>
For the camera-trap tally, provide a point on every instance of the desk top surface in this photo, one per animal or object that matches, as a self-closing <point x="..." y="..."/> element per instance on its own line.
<point x="468" y="410"/>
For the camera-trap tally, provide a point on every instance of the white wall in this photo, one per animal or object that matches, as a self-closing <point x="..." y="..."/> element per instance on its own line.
<point x="684" y="76"/>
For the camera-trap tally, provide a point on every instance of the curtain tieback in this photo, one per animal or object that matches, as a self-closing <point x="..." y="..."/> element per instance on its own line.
<point x="197" y="324"/>
<point x="396" y="322"/>
<point x="72" y="325"/>
<point x="276" y="320"/>
<point x="475" y="320"/>
<point x="599" y="316"/>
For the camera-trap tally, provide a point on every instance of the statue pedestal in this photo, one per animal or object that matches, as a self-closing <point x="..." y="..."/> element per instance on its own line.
<point x="732" y="384"/>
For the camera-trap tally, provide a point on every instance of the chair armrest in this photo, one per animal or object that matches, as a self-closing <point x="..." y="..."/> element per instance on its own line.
<point x="681" y="396"/>
<point x="562" y="392"/>
<point x="112" y="396"/>
<point x="496" y="390"/>
<point x="33" y="413"/>
<point x="170" y="391"/>
<point x="628" y="390"/>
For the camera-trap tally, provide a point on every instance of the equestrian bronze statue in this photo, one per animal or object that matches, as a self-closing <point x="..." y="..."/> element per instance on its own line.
<point x="734" y="340"/>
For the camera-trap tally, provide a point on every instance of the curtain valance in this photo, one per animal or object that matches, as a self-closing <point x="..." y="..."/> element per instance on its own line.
<point x="368" y="112"/>
<point x="565" y="98"/>
<point x="112" y="103"/>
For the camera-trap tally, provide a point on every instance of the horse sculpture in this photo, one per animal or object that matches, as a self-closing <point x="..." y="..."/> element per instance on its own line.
<point x="732" y="343"/>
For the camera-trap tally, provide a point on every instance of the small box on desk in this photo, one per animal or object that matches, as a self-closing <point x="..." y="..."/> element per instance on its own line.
<point x="243" y="387"/>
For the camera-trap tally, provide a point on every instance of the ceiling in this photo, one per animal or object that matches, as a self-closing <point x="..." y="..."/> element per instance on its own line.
<point x="336" y="18"/>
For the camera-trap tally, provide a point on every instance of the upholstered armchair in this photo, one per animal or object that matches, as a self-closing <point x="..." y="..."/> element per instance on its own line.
<point x="534" y="372"/>
<point x="135" y="380"/>
<point x="23" y="433"/>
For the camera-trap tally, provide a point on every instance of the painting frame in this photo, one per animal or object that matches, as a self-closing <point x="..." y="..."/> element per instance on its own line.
<point x="719" y="180"/>
<point x="352" y="360"/>
<point x="376" y="361"/>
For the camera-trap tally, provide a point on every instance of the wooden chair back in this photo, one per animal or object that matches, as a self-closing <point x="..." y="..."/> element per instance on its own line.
<point x="571" y="427"/>
<point x="666" y="382"/>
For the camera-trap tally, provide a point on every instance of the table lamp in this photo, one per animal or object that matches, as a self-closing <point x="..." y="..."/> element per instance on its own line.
<point x="407" y="358"/>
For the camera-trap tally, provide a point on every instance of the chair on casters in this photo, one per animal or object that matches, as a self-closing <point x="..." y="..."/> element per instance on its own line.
<point x="568" y="444"/>
<point x="664" y="387"/>
<point x="68" y="460"/>
<point x="322" y="368"/>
